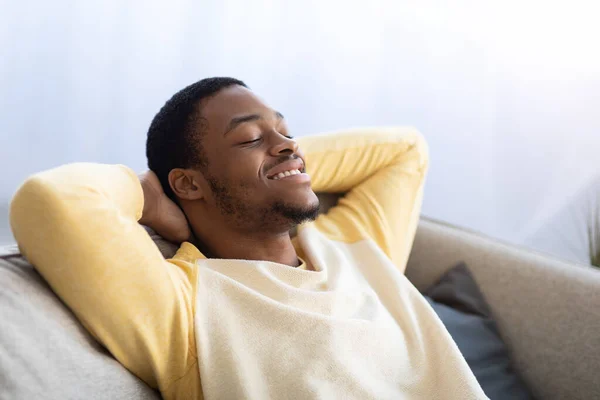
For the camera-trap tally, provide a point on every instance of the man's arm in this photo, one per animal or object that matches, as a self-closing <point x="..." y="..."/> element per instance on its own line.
<point x="383" y="172"/>
<point x="77" y="224"/>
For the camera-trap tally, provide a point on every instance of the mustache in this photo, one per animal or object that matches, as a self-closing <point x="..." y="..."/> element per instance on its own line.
<point x="281" y="160"/>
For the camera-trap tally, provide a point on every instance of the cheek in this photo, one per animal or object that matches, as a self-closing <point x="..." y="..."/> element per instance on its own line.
<point x="242" y="177"/>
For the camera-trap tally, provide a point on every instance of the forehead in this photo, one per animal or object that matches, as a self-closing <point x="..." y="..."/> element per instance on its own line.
<point x="231" y="102"/>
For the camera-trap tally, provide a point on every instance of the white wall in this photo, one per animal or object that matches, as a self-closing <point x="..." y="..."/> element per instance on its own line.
<point x="507" y="94"/>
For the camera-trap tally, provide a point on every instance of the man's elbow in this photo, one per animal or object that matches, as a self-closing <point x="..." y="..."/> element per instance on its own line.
<point x="31" y="205"/>
<point x="413" y="149"/>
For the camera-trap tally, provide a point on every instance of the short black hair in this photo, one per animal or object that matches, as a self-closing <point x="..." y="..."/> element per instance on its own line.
<point x="175" y="134"/>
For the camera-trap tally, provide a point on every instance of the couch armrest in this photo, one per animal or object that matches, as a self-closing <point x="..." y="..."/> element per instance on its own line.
<point x="548" y="311"/>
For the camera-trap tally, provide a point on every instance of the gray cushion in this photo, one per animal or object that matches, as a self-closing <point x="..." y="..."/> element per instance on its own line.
<point x="44" y="352"/>
<point x="463" y="310"/>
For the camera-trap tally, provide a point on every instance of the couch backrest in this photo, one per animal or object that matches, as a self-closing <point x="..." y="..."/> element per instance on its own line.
<point x="44" y="350"/>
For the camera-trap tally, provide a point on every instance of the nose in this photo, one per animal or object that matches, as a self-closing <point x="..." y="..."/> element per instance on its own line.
<point x="284" y="146"/>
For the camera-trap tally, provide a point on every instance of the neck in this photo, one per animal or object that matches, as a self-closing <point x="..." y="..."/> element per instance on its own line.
<point x="217" y="239"/>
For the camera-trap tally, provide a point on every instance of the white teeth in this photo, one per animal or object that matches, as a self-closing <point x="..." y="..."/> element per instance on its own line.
<point x="286" y="173"/>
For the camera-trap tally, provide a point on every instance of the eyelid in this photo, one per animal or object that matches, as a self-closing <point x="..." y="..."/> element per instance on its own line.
<point x="260" y="138"/>
<point x="252" y="141"/>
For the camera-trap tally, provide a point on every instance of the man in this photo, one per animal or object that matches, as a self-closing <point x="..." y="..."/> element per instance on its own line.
<point x="247" y="311"/>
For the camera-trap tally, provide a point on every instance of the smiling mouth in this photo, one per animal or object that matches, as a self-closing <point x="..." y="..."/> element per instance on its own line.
<point x="285" y="174"/>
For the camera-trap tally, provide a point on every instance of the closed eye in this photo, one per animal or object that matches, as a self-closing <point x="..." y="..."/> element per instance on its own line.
<point x="251" y="141"/>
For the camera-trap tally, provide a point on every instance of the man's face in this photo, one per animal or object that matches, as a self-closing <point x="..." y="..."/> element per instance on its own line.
<point x="250" y="153"/>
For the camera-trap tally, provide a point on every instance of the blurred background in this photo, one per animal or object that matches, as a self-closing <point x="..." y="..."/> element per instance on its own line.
<point x="507" y="92"/>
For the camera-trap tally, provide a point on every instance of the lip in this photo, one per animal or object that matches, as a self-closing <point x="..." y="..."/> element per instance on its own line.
<point x="286" y="166"/>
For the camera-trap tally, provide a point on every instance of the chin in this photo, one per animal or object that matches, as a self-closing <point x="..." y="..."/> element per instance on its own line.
<point x="310" y="202"/>
<point x="298" y="212"/>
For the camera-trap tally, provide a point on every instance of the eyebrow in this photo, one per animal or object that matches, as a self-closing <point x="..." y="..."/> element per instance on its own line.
<point x="237" y="121"/>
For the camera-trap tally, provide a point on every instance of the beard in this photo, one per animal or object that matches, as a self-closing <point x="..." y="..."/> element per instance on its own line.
<point x="233" y="203"/>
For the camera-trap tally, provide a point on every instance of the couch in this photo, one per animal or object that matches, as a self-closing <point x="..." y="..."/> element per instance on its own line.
<point x="547" y="310"/>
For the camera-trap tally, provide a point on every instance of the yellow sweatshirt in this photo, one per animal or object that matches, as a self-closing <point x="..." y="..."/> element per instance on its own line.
<point x="349" y="327"/>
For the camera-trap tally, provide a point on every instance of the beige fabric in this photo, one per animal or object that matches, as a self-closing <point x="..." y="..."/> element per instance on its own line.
<point x="365" y="331"/>
<point x="44" y="351"/>
<point x="548" y="311"/>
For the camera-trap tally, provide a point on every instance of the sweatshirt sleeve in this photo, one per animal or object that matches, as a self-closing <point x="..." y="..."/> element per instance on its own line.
<point x="77" y="224"/>
<point x="382" y="171"/>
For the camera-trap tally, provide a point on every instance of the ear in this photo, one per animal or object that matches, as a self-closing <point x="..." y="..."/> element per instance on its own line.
<point x="186" y="183"/>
